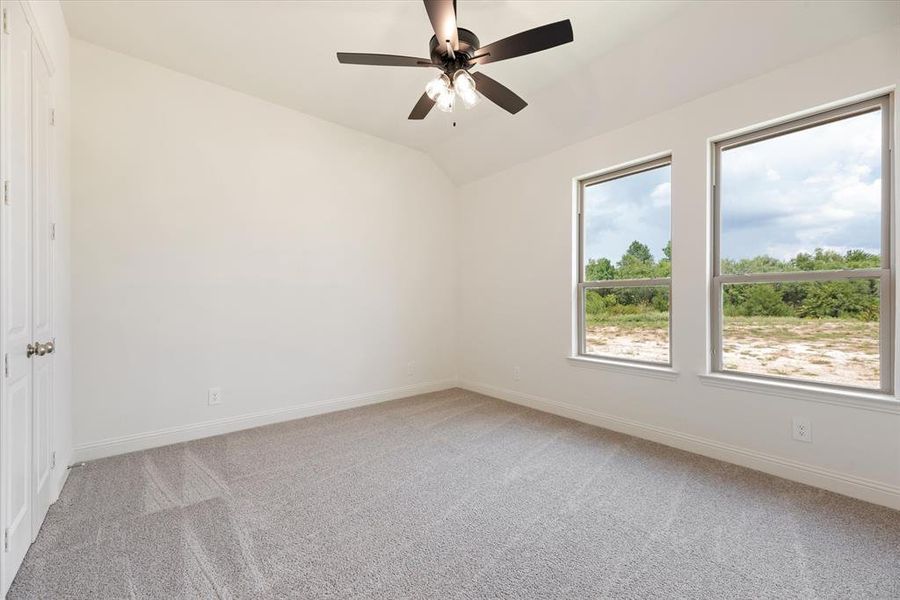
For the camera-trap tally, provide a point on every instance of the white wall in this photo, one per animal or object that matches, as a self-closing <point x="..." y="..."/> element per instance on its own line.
<point x="55" y="36"/>
<point x="220" y="240"/>
<point x="516" y="253"/>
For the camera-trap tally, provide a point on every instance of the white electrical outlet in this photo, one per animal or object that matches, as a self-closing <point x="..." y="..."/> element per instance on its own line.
<point x="214" y="396"/>
<point x="517" y="373"/>
<point x="802" y="429"/>
<point x="411" y="368"/>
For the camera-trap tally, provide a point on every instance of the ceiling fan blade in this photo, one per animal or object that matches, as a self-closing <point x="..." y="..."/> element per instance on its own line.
<point x="526" y="42"/>
<point x="422" y="108"/>
<point x="442" y="14"/>
<point x="383" y="60"/>
<point x="498" y="93"/>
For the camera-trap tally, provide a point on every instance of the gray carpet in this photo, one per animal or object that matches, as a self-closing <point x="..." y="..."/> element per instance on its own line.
<point x="450" y="495"/>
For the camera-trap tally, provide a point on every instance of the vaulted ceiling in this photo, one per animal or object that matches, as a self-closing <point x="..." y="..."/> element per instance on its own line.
<point x="629" y="60"/>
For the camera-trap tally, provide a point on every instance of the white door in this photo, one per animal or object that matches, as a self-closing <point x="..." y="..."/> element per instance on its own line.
<point x="17" y="287"/>
<point x="26" y="275"/>
<point x="41" y="296"/>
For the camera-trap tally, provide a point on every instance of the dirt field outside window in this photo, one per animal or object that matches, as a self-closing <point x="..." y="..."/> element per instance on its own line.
<point x="838" y="351"/>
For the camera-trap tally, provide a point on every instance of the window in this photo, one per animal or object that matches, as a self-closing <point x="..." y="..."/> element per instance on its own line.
<point x="801" y="268"/>
<point x="624" y="264"/>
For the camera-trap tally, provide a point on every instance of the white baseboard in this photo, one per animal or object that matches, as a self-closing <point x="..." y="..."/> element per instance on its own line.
<point x="841" y="483"/>
<point x="194" y="431"/>
<point x="60" y="481"/>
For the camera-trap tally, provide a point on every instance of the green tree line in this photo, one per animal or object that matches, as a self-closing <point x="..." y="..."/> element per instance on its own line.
<point x="847" y="299"/>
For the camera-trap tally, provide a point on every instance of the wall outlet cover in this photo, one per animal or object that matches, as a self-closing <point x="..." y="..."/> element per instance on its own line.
<point x="214" y="396"/>
<point x="802" y="429"/>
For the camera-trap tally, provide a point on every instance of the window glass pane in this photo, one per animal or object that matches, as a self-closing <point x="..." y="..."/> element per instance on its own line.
<point x="627" y="227"/>
<point x="808" y="200"/>
<point x="627" y="322"/>
<point x="825" y="331"/>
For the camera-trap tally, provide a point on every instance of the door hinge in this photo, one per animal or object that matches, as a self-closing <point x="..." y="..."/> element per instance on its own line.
<point x="6" y="540"/>
<point x="52" y="231"/>
<point x="6" y="365"/>
<point x="53" y="116"/>
<point x="6" y="191"/>
<point x="5" y="22"/>
<point x="53" y="460"/>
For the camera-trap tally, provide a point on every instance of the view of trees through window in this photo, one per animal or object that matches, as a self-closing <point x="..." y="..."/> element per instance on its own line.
<point x="799" y="210"/>
<point x="799" y="237"/>
<point x="629" y="322"/>
<point x="822" y="330"/>
<point x="804" y="208"/>
<point x="626" y="238"/>
<point x="825" y="331"/>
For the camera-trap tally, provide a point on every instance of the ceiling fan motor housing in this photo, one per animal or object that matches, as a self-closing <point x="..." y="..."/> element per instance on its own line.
<point x="468" y="45"/>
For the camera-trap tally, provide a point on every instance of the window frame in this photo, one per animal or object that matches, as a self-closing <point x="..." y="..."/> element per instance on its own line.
<point x="884" y="274"/>
<point x="582" y="286"/>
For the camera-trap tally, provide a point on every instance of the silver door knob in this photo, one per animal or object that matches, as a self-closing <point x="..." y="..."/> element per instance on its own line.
<point x="40" y="349"/>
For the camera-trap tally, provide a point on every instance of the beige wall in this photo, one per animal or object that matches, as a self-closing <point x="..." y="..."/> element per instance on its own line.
<point x="516" y="256"/>
<point x="220" y="240"/>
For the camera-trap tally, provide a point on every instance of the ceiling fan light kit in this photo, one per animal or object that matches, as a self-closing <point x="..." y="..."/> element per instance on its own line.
<point x="465" y="88"/>
<point x="438" y="86"/>
<point x="455" y="51"/>
<point x="443" y="92"/>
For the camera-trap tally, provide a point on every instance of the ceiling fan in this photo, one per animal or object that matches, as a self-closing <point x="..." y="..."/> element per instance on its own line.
<point x="455" y="51"/>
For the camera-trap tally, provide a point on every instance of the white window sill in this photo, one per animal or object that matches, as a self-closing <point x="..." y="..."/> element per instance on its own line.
<point x="866" y="400"/>
<point x="621" y="366"/>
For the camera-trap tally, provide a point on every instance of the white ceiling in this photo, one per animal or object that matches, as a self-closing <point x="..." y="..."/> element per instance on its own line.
<point x="629" y="60"/>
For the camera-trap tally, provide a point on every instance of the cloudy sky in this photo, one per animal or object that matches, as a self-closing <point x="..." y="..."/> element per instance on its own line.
<point x="620" y="211"/>
<point x="817" y="188"/>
